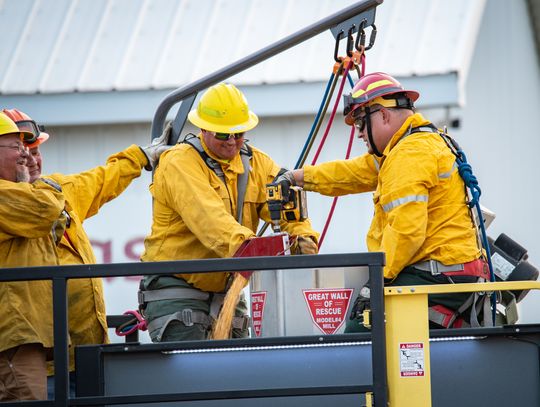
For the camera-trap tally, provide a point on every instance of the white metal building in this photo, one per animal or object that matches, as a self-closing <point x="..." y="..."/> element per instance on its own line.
<point x="94" y="71"/>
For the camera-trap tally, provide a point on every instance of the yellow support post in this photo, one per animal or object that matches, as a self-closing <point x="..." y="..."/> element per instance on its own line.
<point x="407" y="350"/>
<point x="407" y="336"/>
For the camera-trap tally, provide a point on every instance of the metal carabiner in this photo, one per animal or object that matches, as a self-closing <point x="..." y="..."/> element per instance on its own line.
<point x="336" y="48"/>
<point x="361" y="36"/>
<point x="350" y="41"/>
<point x="372" y="37"/>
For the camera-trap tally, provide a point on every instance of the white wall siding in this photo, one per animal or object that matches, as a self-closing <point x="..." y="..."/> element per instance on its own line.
<point x="501" y="123"/>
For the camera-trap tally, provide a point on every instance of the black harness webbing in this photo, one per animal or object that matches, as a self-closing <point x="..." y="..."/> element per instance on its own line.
<point x="246" y="152"/>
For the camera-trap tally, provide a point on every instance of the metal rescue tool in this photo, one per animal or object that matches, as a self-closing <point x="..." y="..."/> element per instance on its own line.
<point x="291" y="208"/>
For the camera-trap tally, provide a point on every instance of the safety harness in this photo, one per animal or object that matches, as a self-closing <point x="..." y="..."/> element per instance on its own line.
<point x="478" y="303"/>
<point x="188" y="316"/>
<point x="246" y="153"/>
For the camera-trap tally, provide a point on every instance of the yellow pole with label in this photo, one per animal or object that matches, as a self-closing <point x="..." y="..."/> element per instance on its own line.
<point x="407" y="349"/>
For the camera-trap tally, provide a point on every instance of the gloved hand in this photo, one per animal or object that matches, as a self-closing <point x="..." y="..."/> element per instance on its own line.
<point x="286" y="180"/>
<point x="59" y="226"/>
<point x="303" y="245"/>
<point x="157" y="147"/>
<point x="361" y="303"/>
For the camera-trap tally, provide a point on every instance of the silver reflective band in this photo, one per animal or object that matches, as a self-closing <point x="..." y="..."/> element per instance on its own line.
<point x="400" y="201"/>
<point x="376" y="164"/>
<point x="449" y="173"/>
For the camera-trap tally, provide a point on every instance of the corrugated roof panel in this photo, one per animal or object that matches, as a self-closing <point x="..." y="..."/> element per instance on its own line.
<point x="10" y="33"/>
<point x="109" y="48"/>
<point x="259" y="33"/>
<point x="466" y="45"/>
<point x="144" y="52"/>
<point x="395" y="47"/>
<point x="36" y="43"/>
<point x="84" y="45"/>
<point x="286" y="66"/>
<point x="222" y="36"/>
<point x="433" y="55"/>
<point x="183" y="44"/>
<point x="73" y="45"/>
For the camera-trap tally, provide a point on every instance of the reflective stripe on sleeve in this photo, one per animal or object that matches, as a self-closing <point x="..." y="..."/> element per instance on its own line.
<point x="449" y="173"/>
<point x="400" y="201"/>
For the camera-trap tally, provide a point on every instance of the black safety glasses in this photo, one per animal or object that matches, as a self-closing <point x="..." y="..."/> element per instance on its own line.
<point x="227" y="136"/>
<point x="360" y="121"/>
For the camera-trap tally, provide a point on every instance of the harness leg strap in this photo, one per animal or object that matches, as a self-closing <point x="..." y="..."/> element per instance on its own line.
<point x="187" y="316"/>
<point x="216" y="304"/>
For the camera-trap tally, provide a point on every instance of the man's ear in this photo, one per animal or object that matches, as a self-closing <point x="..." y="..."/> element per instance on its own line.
<point x="385" y="115"/>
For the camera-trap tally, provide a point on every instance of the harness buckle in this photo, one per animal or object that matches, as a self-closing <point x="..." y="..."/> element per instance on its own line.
<point x="187" y="317"/>
<point x="140" y="297"/>
<point x="434" y="268"/>
<point x="246" y="322"/>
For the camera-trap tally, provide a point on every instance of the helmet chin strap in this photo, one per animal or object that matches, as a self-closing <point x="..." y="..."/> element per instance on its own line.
<point x="370" y="134"/>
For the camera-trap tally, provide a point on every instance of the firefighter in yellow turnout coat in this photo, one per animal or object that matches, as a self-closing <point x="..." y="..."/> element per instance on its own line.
<point x="421" y="221"/>
<point x="29" y="214"/>
<point x="196" y="197"/>
<point x="85" y="193"/>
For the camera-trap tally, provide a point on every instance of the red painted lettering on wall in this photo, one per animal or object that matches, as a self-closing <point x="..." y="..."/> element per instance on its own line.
<point x="131" y="249"/>
<point x="103" y="248"/>
<point x="103" y="251"/>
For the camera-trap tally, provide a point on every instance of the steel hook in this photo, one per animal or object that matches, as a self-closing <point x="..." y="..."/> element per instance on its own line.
<point x="372" y="37"/>
<point x="361" y="36"/>
<point x="350" y="41"/>
<point x="336" y="48"/>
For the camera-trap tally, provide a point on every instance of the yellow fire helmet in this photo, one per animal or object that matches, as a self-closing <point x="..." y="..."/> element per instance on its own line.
<point x="8" y="126"/>
<point x="223" y="109"/>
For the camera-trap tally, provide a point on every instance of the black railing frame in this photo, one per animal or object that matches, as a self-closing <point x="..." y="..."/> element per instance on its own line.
<point x="60" y="274"/>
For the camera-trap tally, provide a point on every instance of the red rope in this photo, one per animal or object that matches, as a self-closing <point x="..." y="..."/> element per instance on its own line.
<point x="319" y="149"/>
<point x="363" y="64"/>
<point x="334" y="110"/>
<point x="334" y="201"/>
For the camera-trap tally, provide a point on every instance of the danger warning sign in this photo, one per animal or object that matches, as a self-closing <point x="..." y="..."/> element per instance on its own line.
<point x="328" y="307"/>
<point x="411" y="359"/>
<point x="258" y="299"/>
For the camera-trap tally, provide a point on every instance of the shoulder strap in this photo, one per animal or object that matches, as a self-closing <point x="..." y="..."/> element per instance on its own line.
<point x="246" y="152"/>
<point x="195" y="142"/>
<point x="428" y="128"/>
<point x="431" y="128"/>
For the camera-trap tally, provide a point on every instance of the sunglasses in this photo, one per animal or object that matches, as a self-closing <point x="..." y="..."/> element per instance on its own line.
<point x="360" y="121"/>
<point x="227" y="136"/>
